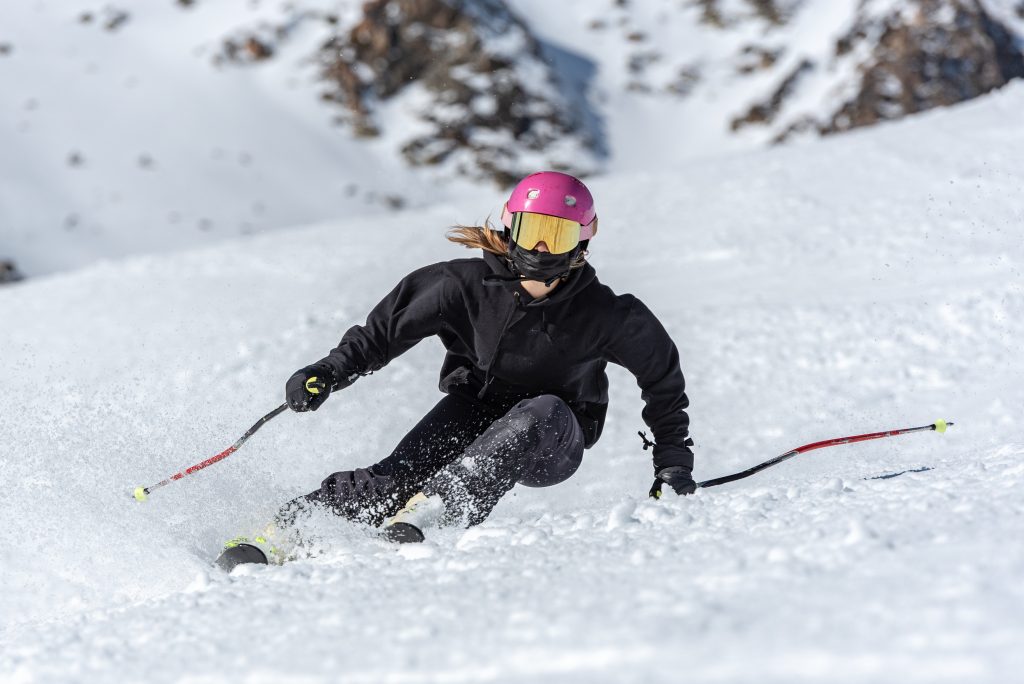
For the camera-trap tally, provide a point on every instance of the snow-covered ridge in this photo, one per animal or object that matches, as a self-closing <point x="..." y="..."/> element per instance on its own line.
<point x="860" y="283"/>
<point x="779" y="67"/>
<point x="136" y="128"/>
<point x="476" y="95"/>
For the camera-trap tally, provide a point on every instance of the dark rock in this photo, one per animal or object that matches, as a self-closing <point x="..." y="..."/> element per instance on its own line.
<point x="756" y="58"/>
<point x="115" y="19"/>
<point x="257" y="50"/>
<point x="9" y="272"/>
<point x="483" y="108"/>
<point x="260" y="43"/>
<point x="639" y="61"/>
<point x="766" y="111"/>
<point x="711" y="14"/>
<point x="770" y="11"/>
<point x="6" y="49"/>
<point x="685" y="82"/>
<point x="775" y="12"/>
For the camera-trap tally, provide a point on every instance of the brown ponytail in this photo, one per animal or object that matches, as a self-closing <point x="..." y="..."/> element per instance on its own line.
<point x="482" y="237"/>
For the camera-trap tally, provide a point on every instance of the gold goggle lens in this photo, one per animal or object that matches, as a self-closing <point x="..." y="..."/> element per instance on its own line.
<point x="559" y="234"/>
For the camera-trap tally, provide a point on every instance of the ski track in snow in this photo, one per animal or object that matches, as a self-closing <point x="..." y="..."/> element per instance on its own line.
<point x="857" y="284"/>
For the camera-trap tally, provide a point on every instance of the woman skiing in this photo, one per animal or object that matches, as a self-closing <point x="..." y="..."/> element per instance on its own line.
<point x="528" y="331"/>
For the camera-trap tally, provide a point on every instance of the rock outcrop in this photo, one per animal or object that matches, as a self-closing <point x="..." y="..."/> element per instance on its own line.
<point x="906" y="58"/>
<point x="481" y="96"/>
<point x="938" y="53"/>
<point x="9" y="272"/>
<point x="486" y="98"/>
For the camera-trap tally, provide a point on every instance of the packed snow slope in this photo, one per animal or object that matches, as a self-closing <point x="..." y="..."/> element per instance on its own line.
<point x="858" y="284"/>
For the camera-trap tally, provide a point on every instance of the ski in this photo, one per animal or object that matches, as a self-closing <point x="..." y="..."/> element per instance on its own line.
<point x="240" y="554"/>
<point x="403" y="533"/>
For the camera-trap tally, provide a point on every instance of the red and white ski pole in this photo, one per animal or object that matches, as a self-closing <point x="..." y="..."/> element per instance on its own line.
<point x="937" y="426"/>
<point x="142" y="493"/>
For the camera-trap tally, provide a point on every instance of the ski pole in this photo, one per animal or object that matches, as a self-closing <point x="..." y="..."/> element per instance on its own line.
<point x="142" y="493"/>
<point x="938" y="426"/>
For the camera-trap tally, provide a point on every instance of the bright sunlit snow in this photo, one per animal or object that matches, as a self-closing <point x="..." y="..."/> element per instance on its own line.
<point x="131" y="141"/>
<point x="867" y="282"/>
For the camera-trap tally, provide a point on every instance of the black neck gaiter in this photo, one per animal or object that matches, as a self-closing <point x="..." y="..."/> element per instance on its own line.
<point x="542" y="266"/>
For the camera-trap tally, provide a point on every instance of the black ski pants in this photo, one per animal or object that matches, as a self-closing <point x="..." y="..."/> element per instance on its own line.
<point x="471" y="454"/>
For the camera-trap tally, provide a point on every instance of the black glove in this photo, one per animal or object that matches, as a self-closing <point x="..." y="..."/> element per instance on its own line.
<point x="679" y="478"/>
<point x="308" y="388"/>
<point x="354" y="486"/>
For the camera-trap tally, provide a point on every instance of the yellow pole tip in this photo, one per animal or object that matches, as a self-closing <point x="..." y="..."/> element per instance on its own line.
<point x="140" y="494"/>
<point x="941" y="425"/>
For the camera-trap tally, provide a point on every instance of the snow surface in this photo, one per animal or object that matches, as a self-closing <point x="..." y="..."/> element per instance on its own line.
<point x="867" y="282"/>
<point x="171" y="151"/>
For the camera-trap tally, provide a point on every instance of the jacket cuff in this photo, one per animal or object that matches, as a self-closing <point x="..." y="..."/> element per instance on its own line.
<point x="666" y="456"/>
<point x="329" y="369"/>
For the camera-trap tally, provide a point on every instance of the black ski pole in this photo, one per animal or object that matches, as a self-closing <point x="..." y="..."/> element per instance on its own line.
<point x="938" y="426"/>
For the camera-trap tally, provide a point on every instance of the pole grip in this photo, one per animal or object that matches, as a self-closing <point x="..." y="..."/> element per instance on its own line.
<point x="315" y="385"/>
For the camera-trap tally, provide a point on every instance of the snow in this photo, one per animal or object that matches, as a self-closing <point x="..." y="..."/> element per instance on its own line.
<point x="866" y="282"/>
<point x="174" y="152"/>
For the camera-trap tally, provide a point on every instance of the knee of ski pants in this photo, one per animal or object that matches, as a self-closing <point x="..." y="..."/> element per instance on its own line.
<point x="556" y="440"/>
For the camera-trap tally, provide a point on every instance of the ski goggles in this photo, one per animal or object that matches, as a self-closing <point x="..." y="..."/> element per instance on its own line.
<point x="559" y="234"/>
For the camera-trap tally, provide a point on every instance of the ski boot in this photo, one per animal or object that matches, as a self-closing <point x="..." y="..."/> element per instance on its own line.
<point x="420" y="511"/>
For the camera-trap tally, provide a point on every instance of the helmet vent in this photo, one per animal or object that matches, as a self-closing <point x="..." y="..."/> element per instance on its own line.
<point x="533" y="194"/>
<point x="570" y="201"/>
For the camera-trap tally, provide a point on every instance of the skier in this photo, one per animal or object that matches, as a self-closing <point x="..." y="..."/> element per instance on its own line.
<point x="529" y="331"/>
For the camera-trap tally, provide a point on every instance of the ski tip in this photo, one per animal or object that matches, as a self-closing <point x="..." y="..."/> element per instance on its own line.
<point x="403" y="533"/>
<point x="140" y="494"/>
<point x="941" y="425"/>
<point x="240" y="554"/>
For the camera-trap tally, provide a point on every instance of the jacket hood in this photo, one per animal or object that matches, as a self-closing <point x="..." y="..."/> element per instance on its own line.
<point x="578" y="279"/>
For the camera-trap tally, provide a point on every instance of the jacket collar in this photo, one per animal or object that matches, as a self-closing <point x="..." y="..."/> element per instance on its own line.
<point x="578" y="279"/>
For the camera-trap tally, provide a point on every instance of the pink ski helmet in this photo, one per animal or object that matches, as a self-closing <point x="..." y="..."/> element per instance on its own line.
<point x="554" y="194"/>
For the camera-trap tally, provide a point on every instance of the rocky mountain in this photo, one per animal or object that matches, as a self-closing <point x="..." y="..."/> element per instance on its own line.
<point x="900" y="59"/>
<point x="494" y="87"/>
<point x="140" y="127"/>
<point x="471" y="75"/>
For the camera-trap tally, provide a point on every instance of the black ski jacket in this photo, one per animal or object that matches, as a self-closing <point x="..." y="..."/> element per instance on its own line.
<point x="503" y="345"/>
